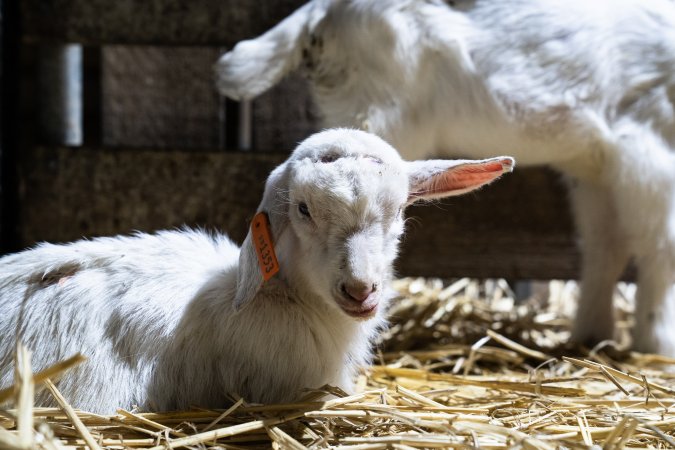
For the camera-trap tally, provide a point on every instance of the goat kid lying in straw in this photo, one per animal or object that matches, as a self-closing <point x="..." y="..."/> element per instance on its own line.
<point x="183" y="318"/>
<point x="587" y="87"/>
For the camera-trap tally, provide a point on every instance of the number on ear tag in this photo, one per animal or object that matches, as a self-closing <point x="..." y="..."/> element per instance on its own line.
<point x="264" y="247"/>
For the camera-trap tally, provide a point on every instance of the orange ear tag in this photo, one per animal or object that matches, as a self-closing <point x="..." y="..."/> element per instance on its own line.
<point x="264" y="247"/>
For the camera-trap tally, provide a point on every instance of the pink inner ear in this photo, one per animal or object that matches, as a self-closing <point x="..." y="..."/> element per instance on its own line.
<point x="461" y="179"/>
<point x="469" y="175"/>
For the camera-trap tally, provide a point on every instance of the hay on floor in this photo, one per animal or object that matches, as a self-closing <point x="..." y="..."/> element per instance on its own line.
<point x="463" y="366"/>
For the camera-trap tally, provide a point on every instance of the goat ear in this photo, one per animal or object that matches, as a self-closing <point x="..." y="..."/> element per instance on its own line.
<point x="250" y="275"/>
<point x="434" y="179"/>
<point x="255" y="65"/>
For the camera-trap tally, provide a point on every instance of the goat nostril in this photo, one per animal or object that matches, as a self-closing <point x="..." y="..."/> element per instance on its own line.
<point x="358" y="292"/>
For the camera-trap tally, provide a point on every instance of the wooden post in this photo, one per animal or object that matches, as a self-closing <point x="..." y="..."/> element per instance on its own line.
<point x="60" y="94"/>
<point x="245" y="131"/>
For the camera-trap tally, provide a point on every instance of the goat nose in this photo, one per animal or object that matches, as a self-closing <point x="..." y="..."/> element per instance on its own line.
<point x="358" y="291"/>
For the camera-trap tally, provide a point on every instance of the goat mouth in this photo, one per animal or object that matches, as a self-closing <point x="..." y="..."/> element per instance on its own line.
<point x="363" y="310"/>
<point x="362" y="313"/>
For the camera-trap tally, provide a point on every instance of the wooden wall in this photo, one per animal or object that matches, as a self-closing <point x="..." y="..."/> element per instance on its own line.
<point x="164" y="97"/>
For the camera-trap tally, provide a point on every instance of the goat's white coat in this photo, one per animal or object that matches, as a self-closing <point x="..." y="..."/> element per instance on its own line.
<point x="586" y="87"/>
<point x="155" y="314"/>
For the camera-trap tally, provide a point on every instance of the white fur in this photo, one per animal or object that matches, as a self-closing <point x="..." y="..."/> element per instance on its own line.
<point x="184" y="318"/>
<point x="586" y="87"/>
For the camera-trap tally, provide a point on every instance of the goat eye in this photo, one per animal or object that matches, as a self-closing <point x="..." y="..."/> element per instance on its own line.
<point x="302" y="207"/>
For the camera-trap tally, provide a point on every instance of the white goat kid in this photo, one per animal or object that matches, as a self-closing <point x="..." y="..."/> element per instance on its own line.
<point x="584" y="86"/>
<point x="183" y="318"/>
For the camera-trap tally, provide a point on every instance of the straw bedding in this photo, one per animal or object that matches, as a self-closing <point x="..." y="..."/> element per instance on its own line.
<point x="462" y="366"/>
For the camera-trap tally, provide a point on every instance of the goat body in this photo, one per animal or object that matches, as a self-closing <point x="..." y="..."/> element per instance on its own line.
<point x="185" y="318"/>
<point x="587" y="87"/>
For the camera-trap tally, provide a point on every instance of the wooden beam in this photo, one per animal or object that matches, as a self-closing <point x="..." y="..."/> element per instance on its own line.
<point x="68" y="193"/>
<point x="156" y="22"/>
<point x="517" y="228"/>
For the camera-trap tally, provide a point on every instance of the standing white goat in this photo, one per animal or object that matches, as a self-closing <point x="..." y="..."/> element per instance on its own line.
<point x="183" y="318"/>
<point x="584" y="86"/>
